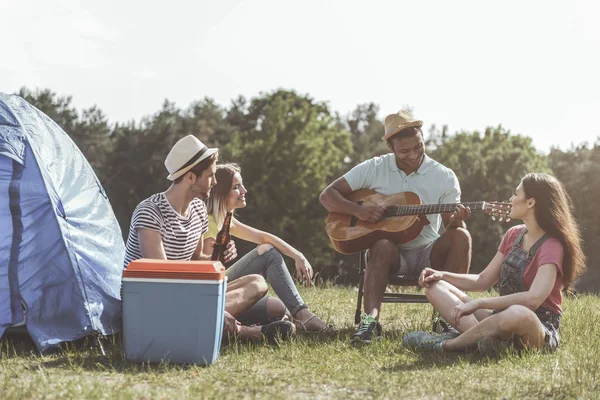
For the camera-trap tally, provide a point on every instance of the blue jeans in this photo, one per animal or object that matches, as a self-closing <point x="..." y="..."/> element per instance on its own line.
<point x="272" y="267"/>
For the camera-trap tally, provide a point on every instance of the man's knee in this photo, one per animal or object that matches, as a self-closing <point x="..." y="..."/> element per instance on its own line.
<point x="383" y="245"/>
<point x="383" y="255"/>
<point x="275" y="309"/>
<point x="263" y="248"/>
<point x="383" y="249"/>
<point x="255" y="285"/>
<point x="461" y="236"/>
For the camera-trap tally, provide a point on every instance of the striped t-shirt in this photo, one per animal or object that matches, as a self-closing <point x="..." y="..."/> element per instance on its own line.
<point x="180" y="234"/>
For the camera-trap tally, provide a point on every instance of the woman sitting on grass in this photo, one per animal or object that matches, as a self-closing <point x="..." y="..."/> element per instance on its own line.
<point x="226" y="196"/>
<point x="534" y="263"/>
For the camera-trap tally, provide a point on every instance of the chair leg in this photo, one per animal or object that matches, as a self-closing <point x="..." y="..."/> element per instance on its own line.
<point x="358" y="312"/>
<point x="361" y="280"/>
<point x="435" y="322"/>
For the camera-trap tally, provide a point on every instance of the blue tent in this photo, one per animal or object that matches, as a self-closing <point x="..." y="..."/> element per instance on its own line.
<point x="61" y="249"/>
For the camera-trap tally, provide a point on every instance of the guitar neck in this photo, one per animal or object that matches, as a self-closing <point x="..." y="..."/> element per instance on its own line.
<point x="394" y="211"/>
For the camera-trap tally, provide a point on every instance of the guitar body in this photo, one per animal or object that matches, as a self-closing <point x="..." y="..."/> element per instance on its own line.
<point x="351" y="235"/>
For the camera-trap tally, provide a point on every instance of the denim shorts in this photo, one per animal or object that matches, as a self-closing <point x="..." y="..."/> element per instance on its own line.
<point x="550" y="322"/>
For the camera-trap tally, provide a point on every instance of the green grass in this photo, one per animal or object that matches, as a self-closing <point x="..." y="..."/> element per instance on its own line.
<point x="321" y="366"/>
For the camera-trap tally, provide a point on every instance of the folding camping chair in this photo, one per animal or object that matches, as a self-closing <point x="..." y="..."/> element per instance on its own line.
<point x="391" y="297"/>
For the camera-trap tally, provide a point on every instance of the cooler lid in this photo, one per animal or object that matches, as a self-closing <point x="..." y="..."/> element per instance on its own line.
<point x="172" y="269"/>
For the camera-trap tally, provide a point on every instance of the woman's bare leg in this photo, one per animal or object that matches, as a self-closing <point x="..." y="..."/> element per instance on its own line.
<point x="516" y="321"/>
<point x="444" y="297"/>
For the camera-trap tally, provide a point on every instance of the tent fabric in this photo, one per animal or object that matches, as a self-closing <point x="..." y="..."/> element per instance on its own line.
<point x="61" y="248"/>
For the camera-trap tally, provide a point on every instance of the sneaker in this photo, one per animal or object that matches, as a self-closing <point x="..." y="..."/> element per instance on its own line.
<point x="368" y="330"/>
<point x="420" y="340"/>
<point x="491" y="346"/>
<point x="450" y="334"/>
<point x="277" y="330"/>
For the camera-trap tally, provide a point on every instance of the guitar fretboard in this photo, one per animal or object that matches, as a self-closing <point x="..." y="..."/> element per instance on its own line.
<point x="395" y="211"/>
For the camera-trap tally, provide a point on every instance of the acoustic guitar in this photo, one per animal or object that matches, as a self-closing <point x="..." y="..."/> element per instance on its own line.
<point x="403" y="219"/>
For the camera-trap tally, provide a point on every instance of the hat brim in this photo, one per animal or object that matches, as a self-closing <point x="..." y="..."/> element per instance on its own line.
<point x="401" y="128"/>
<point x="177" y="174"/>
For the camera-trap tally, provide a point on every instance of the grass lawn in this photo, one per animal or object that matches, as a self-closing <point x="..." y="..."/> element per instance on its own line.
<point x="321" y="366"/>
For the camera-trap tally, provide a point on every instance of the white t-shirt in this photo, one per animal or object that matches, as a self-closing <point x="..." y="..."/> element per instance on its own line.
<point x="432" y="182"/>
<point x="180" y="234"/>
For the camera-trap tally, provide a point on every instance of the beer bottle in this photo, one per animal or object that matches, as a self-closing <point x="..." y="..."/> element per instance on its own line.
<point x="223" y="237"/>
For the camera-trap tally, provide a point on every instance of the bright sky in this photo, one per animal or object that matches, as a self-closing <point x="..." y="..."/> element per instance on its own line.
<point x="532" y="66"/>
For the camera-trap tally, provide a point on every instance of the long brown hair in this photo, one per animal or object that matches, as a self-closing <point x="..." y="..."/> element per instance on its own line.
<point x="216" y="201"/>
<point x="554" y="214"/>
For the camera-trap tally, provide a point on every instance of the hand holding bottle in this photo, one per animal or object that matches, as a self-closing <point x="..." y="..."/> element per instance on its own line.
<point x="224" y="249"/>
<point x="230" y="251"/>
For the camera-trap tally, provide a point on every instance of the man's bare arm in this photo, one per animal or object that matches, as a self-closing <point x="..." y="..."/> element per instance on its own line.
<point x="198" y="253"/>
<point x="333" y="198"/>
<point x="151" y="244"/>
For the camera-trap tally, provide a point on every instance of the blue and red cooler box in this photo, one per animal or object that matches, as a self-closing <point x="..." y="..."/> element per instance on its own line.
<point x="173" y="311"/>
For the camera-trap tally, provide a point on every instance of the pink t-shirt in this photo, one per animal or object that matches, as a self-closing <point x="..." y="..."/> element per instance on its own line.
<point x="550" y="252"/>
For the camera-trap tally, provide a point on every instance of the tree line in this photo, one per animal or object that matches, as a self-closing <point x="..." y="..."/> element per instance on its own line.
<point x="290" y="146"/>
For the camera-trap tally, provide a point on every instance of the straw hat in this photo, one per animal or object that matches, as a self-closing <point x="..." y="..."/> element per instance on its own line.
<point x="184" y="155"/>
<point x="395" y="123"/>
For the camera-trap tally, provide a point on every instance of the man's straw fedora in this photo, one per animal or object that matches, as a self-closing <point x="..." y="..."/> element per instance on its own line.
<point x="184" y="155"/>
<point x="394" y="123"/>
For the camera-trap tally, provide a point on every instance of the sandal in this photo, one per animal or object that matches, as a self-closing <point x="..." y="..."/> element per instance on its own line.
<point x="302" y="326"/>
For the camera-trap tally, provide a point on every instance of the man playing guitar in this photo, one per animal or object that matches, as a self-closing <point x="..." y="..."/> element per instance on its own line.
<point x="406" y="169"/>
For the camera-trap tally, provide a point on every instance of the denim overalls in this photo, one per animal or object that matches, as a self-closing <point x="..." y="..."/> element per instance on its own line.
<point x="511" y="281"/>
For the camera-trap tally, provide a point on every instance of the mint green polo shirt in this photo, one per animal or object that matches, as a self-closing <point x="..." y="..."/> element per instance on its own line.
<point x="433" y="182"/>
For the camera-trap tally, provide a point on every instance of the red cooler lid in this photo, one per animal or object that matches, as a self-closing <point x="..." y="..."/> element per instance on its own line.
<point x="172" y="269"/>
